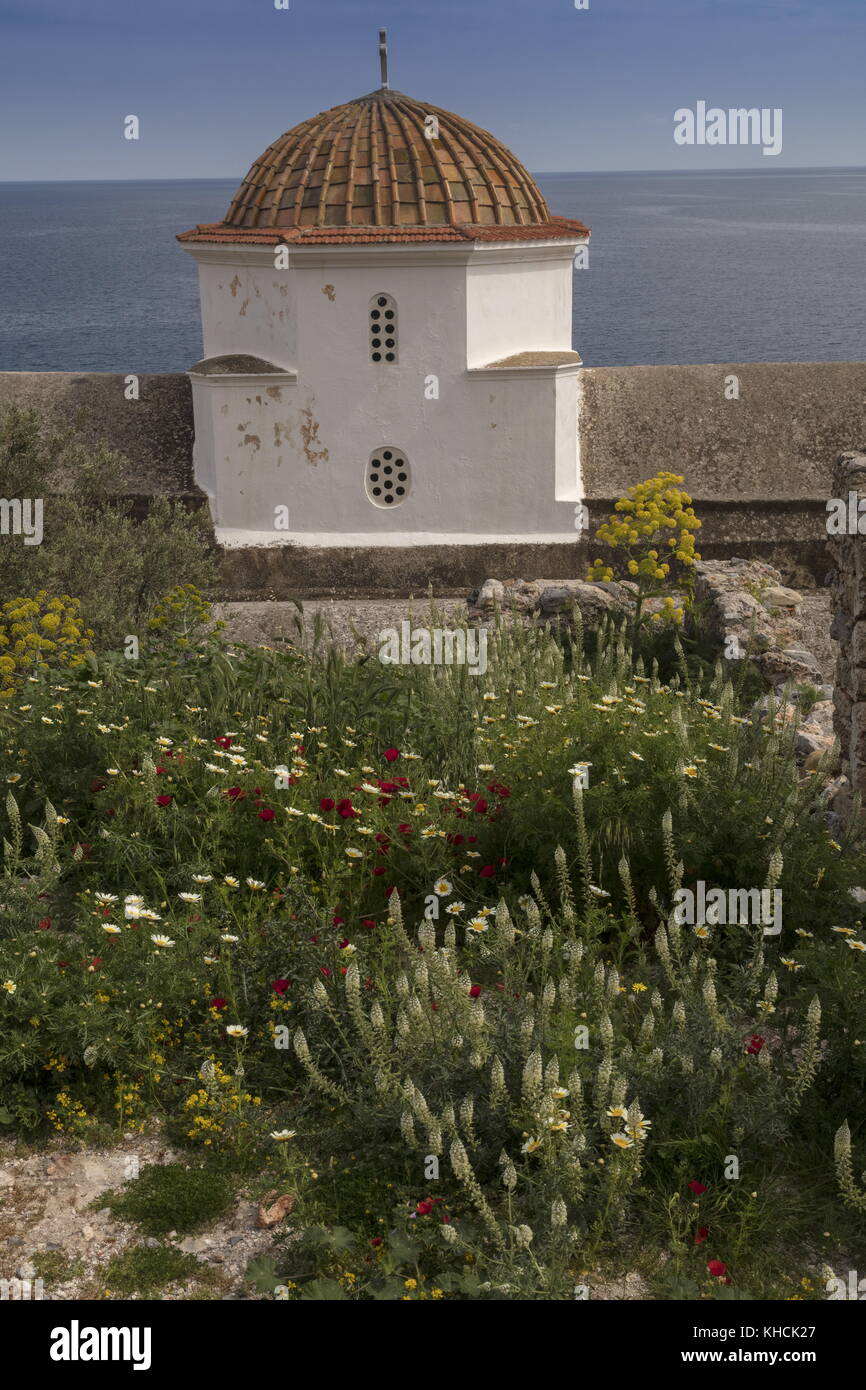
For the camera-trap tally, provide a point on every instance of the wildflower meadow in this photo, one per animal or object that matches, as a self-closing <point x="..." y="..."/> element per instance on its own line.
<point x="403" y="942"/>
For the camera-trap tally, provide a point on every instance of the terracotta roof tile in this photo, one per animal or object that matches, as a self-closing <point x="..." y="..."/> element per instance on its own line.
<point x="367" y="172"/>
<point x="220" y="233"/>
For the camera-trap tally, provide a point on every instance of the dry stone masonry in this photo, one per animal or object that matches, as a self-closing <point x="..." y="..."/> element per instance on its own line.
<point x="849" y="627"/>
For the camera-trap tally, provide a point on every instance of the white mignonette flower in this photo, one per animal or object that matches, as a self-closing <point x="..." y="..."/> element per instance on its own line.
<point x="523" y="1236"/>
<point x="533" y="1077"/>
<point x="558" y="1213"/>
<point x="509" y="1174"/>
<point x="449" y="1235"/>
<point x="460" y="1161"/>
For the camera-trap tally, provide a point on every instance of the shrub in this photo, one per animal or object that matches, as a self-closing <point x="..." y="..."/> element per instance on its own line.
<point x="39" y="634"/>
<point x="171" y="1197"/>
<point x="652" y="533"/>
<point x="92" y="546"/>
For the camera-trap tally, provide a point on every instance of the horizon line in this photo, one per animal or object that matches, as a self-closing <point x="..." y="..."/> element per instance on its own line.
<point x="539" y="173"/>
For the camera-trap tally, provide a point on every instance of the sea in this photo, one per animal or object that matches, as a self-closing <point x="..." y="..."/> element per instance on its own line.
<point x="737" y="266"/>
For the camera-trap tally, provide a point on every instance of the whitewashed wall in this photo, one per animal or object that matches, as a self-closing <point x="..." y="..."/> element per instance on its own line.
<point x="494" y="456"/>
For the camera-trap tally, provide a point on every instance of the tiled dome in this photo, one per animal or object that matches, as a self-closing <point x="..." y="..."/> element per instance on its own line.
<point x="369" y="163"/>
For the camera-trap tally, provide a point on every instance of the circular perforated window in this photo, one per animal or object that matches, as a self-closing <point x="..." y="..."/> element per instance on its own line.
<point x="389" y="477"/>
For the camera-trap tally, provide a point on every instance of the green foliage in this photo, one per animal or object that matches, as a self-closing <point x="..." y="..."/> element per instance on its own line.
<point x="184" y="935"/>
<point x="171" y="1197"/>
<point x="93" y="547"/>
<point x="145" y="1271"/>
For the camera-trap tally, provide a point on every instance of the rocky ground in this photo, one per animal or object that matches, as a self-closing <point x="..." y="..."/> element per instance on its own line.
<point x="52" y="1226"/>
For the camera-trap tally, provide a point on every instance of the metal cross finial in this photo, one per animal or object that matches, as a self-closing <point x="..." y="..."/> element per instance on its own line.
<point x="383" y="55"/>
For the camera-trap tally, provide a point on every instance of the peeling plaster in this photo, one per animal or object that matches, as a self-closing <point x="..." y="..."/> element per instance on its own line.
<point x="330" y="292"/>
<point x="310" y="436"/>
<point x="235" y="286"/>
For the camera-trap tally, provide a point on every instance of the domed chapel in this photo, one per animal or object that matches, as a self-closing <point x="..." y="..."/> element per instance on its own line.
<point x="387" y="325"/>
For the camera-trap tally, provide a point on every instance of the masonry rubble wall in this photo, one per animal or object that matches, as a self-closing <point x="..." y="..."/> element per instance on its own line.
<point x="755" y="464"/>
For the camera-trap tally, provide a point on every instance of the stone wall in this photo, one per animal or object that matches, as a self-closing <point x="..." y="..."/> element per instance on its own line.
<point x="756" y="467"/>
<point x="848" y="553"/>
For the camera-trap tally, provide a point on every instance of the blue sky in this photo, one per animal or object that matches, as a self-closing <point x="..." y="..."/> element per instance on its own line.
<point x="214" y="81"/>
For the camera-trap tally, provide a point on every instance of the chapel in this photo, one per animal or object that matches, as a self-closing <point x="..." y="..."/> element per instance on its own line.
<point x="387" y="326"/>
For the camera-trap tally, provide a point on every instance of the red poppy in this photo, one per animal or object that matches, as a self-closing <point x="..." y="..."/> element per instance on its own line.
<point x="405" y="829"/>
<point x="455" y="839"/>
<point x="346" y="809"/>
<point x="697" y="1187"/>
<point x="754" y="1044"/>
<point x="424" y="1208"/>
<point x="717" y="1269"/>
<point x="97" y="784"/>
<point x="223" y="741"/>
<point x="236" y="793"/>
<point x="701" y="1234"/>
<point x="164" y="800"/>
<point x="378" y="871"/>
<point x="326" y="803"/>
<point x="43" y="924"/>
<point x="344" y="943"/>
<point x="376" y="1242"/>
<point x="487" y="872"/>
<point x="472" y="839"/>
<point x="325" y="969"/>
<point x="266" y="813"/>
<point x="391" y="755"/>
<point x="498" y="790"/>
<point x="338" y="921"/>
<point x="367" y="922"/>
<point x="474" y="991"/>
<point x="218" y="1003"/>
<point x="480" y="805"/>
<point x="280" y="986"/>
